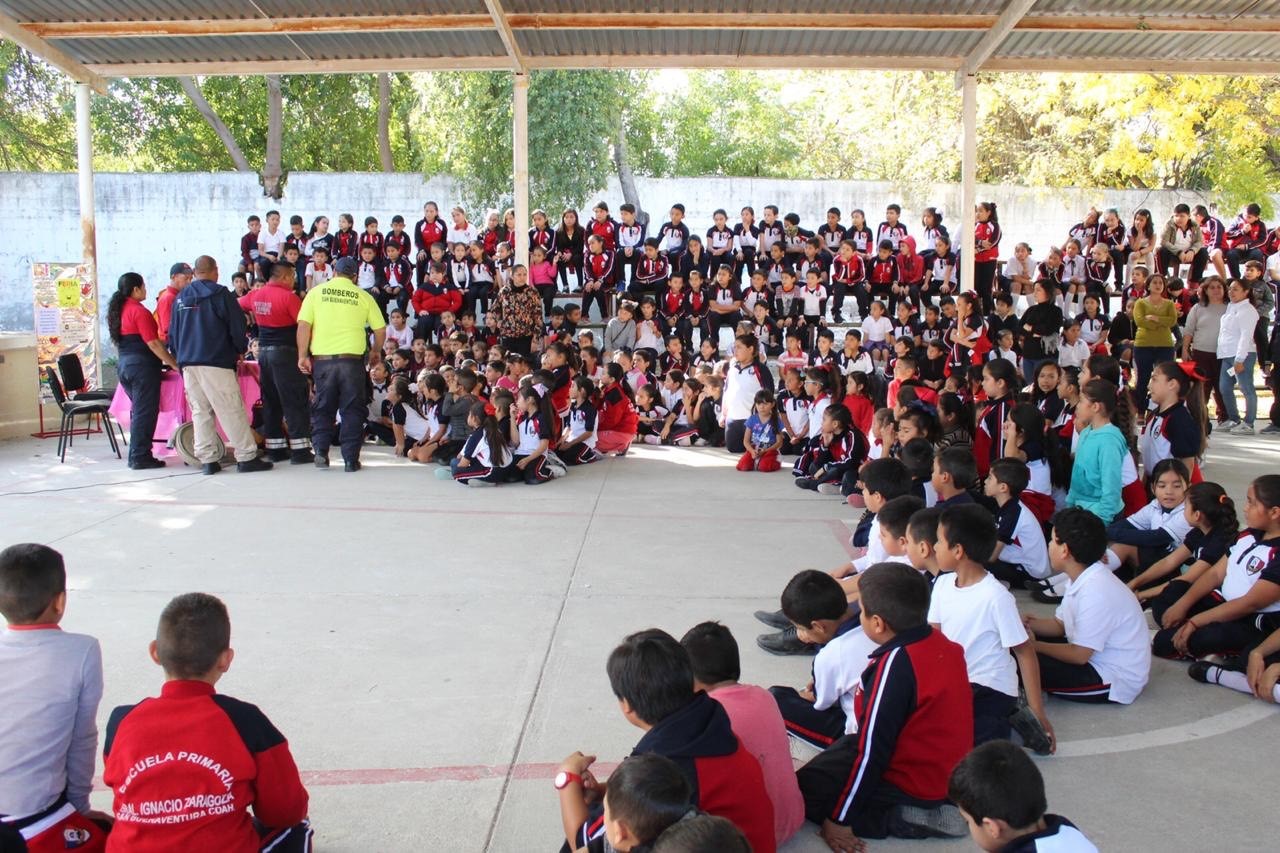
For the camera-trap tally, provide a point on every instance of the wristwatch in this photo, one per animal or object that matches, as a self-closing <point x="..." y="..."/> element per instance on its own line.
<point x="564" y="778"/>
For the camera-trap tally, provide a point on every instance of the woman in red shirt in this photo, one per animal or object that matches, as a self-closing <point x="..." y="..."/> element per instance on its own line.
<point x="986" y="255"/>
<point x="134" y="332"/>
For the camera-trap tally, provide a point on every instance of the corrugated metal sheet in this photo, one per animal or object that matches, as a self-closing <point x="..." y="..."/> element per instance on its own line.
<point x="180" y="49"/>
<point x="1142" y="45"/>
<point x="333" y="8"/>
<point x="1179" y="8"/>
<point x="536" y="43"/>
<point x="186" y="10"/>
<point x="394" y="45"/>
<point x="603" y="7"/>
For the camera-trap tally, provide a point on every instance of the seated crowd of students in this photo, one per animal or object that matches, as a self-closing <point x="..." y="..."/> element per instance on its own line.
<point x="989" y="452"/>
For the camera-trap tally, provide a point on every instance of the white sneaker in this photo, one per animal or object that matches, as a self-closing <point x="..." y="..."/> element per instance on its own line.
<point x="1243" y="429"/>
<point x="1227" y="426"/>
<point x="828" y="488"/>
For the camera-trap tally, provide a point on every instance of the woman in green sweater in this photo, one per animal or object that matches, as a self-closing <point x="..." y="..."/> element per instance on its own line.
<point x="1155" y="315"/>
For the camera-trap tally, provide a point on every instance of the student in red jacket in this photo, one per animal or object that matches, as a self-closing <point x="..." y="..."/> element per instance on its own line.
<point x="185" y="768"/>
<point x="915" y="722"/>
<point x="652" y="678"/>
<point x="431" y="299"/>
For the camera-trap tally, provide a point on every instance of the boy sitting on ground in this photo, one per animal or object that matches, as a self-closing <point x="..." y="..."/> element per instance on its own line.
<point x="1001" y="794"/>
<point x="652" y="678"/>
<point x="754" y="716"/>
<point x="185" y="768"/>
<point x="50" y="686"/>
<point x="914" y="716"/>
<point x="824" y="711"/>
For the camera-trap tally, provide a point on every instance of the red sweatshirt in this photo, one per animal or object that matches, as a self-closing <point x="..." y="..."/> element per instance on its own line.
<point x="186" y="767"/>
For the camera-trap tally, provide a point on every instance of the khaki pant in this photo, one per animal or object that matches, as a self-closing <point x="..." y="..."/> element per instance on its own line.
<point x="216" y="391"/>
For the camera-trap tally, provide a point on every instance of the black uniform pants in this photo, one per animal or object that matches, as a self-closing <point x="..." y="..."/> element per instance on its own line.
<point x="340" y="387"/>
<point x="819" y="728"/>
<point x="139" y="375"/>
<point x="284" y="399"/>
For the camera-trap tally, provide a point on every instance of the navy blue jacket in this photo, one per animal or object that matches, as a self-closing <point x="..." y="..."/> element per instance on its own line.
<point x="207" y="327"/>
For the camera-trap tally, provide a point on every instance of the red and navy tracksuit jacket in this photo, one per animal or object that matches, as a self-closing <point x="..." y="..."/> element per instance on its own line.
<point x="607" y="231"/>
<point x="185" y="769"/>
<point x="346" y="244"/>
<point x="915" y="720"/>
<point x="373" y="241"/>
<point x="988" y="439"/>
<point x="401" y="241"/>
<point x="726" y="779"/>
<point x="599" y="267"/>
<point x="651" y="272"/>
<point x="427" y="234"/>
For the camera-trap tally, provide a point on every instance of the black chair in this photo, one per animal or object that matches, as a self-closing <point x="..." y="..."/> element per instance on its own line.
<point x="74" y="382"/>
<point x="71" y="409"/>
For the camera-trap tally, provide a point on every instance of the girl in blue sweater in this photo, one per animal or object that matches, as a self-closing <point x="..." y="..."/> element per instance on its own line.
<point x="1096" y="476"/>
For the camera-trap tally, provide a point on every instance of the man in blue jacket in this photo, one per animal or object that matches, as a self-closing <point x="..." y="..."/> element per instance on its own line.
<point x="207" y="337"/>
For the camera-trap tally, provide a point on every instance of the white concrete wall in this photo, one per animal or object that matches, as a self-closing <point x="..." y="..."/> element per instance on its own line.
<point x="146" y="222"/>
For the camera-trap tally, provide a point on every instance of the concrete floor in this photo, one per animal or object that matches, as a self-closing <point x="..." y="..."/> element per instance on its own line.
<point x="432" y="652"/>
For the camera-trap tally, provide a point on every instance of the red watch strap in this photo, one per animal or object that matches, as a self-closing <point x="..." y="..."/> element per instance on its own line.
<point x="569" y="778"/>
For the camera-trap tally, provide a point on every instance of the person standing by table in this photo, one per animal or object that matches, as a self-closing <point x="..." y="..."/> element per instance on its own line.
<point x="285" y="394"/>
<point x="332" y="343"/>
<point x="179" y="277"/>
<point x="207" y="336"/>
<point x="133" y="331"/>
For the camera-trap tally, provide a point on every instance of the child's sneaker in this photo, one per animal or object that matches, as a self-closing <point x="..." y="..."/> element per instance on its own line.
<point x="828" y="488"/>
<point x="916" y="822"/>
<point x="774" y="619"/>
<point x="785" y="642"/>
<point x="806" y="483"/>
<point x="1028" y="727"/>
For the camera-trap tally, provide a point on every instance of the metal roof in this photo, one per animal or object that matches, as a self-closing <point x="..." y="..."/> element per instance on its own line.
<point x="96" y="40"/>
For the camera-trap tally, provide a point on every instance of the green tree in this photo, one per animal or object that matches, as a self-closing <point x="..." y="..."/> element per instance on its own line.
<point x="37" y="128"/>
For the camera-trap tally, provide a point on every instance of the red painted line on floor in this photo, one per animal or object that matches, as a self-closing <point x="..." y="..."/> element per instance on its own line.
<point x="844" y="536"/>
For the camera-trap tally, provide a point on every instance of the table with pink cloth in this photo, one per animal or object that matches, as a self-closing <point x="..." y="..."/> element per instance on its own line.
<point x="174" y="410"/>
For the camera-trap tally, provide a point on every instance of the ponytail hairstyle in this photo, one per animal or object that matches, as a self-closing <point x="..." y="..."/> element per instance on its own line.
<point x="128" y="283"/>
<point x="1072" y="375"/>
<point x="585" y="385"/>
<point x="1002" y="371"/>
<point x="1107" y="368"/>
<point x="954" y="406"/>
<point x="921" y="415"/>
<point x="750" y="341"/>
<point x="1115" y="402"/>
<point x="1191" y="392"/>
<point x="493" y="436"/>
<point x="615" y="372"/>
<point x="1213" y="502"/>
<point x="990" y="208"/>
<point x="841" y="416"/>
<point x="823" y="378"/>
<point x="545" y="412"/>
<point x="1036" y="394"/>
<point x="1164" y="466"/>
<point x="1266" y="490"/>
<point x="565" y="351"/>
<point x="857" y="382"/>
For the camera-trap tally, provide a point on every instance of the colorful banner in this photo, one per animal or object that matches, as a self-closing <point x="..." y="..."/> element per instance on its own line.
<point x="66" y="320"/>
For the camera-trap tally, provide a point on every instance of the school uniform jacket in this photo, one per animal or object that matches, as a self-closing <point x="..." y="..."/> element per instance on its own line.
<point x="398" y="273"/>
<point x="915" y="720"/>
<point x="673" y="239"/>
<point x="374" y="241"/>
<point x="185" y="769"/>
<point x="788" y="304"/>
<point x="988" y="441"/>
<point x="1113" y="238"/>
<point x="607" y="231"/>
<point x="1247" y="236"/>
<point x="673" y="306"/>
<point x="848" y="272"/>
<point x="726" y="779"/>
<point x="651" y="272"/>
<point x="599" y="267"/>
<point x="546" y="238"/>
<point x="884" y="271"/>
<point x="402" y="240"/>
<point x="1215" y="233"/>
<point x="696" y="302"/>
<point x="427" y="234"/>
<point x="893" y="233"/>
<point x="987" y="232"/>
<point x="910" y="268"/>
<point x="346" y="244"/>
<point x="687" y="263"/>
<point x="632" y="237"/>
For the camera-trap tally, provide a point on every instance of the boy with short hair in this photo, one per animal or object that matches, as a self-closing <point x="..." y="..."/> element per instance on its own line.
<point x="1020" y="551"/>
<point x="914" y="717"/>
<point x="186" y="767"/>
<point x="972" y="608"/>
<point x="894" y="517"/>
<point x="1000" y="792"/>
<point x="652" y="678"/>
<point x="954" y="471"/>
<point x="754" y="716"/>
<point x="815" y="605"/>
<point x="645" y="795"/>
<point x="50" y="686"/>
<point x="922" y="542"/>
<point x="1107" y="653"/>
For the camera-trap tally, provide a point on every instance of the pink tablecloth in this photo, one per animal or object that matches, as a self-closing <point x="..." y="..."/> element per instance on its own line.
<point x="173" y="401"/>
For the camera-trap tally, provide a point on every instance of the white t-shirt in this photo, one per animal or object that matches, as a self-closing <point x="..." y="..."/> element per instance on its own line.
<point x="875" y="549"/>
<point x="876" y="329"/>
<point x="816" y="410"/>
<point x="1013" y="267"/>
<point x="402" y="336"/>
<point x="813" y="300"/>
<point x="461" y="235"/>
<point x="272" y="244"/>
<point x="837" y="673"/>
<point x="319" y="276"/>
<point x="982" y="617"/>
<point x="1099" y="612"/>
<point x="1073" y="355"/>
<point x="1154" y="517"/>
<point x="1024" y="542"/>
<point x="1249" y="560"/>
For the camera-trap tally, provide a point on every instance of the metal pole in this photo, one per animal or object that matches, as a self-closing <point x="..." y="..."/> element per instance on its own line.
<point x="520" y="148"/>
<point x="88" y="228"/>
<point x="968" y="177"/>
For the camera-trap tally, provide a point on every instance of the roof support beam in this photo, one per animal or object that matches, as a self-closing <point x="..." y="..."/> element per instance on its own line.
<point x="649" y="21"/>
<point x="11" y="29"/>
<point x="1078" y="65"/>
<point x="991" y="41"/>
<point x="302" y="66"/>
<point x="504" y="32"/>
<point x="722" y="60"/>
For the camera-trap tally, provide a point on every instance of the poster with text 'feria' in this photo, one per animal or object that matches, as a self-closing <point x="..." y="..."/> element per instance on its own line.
<point x="66" y="307"/>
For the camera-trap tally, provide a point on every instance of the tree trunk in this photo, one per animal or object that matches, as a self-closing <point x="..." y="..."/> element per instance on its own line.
<point x="625" y="177"/>
<point x="384" y="122"/>
<point x="201" y="104"/>
<point x="271" y="172"/>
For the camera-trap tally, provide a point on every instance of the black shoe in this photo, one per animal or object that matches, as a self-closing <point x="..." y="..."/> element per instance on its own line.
<point x="352" y="466"/>
<point x="255" y="464"/>
<point x="210" y="468"/>
<point x="807" y="483"/>
<point x="785" y="642"/>
<point x="301" y="457"/>
<point x="1044" y="594"/>
<point x="916" y="822"/>
<point x="1025" y="723"/>
<point x="278" y="454"/>
<point x="1199" y="671"/>
<point x="149" y="462"/>
<point x="774" y="619"/>
<point x="837" y="320"/>
<point x="322" y="462"/>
